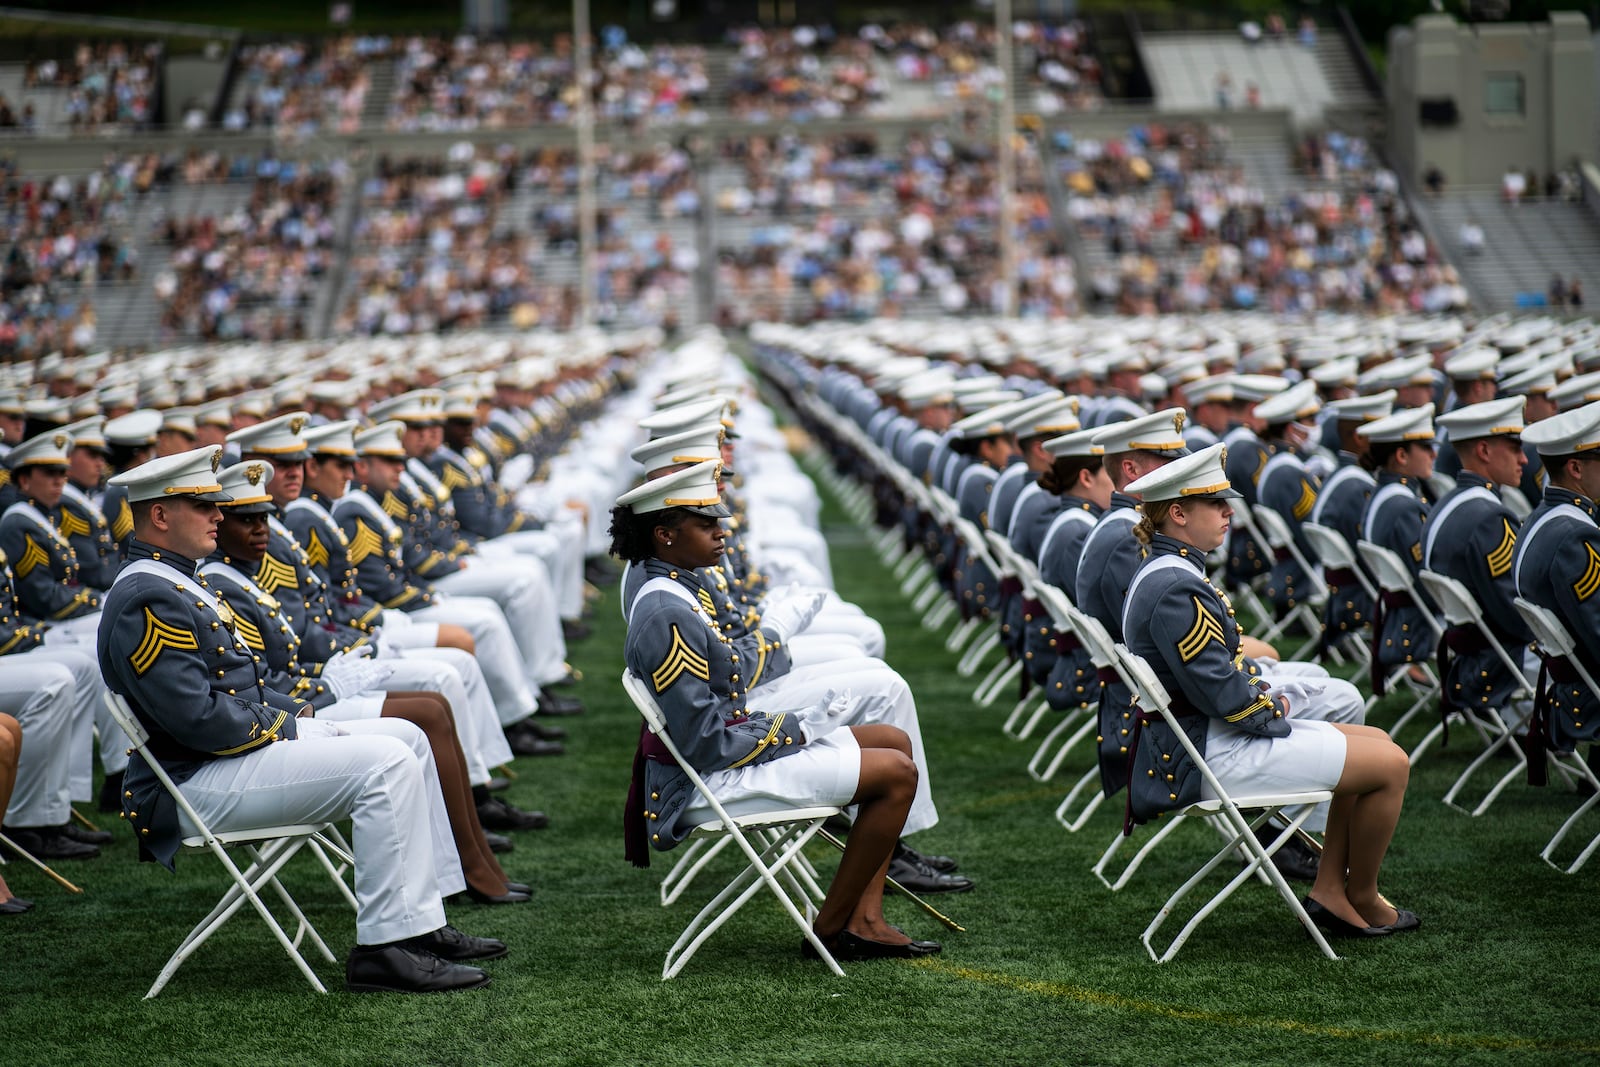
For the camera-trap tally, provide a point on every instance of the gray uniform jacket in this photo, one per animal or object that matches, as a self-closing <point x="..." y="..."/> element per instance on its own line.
<point x="1184" y="628"/>
<point x="699" y="682"/>
<point x="1557" y="566"/>
<point x="85" y="527"/>
<point x="48" y="584"/>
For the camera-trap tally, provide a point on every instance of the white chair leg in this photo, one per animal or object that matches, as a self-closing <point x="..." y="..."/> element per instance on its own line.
<point x="684" y="872"/>
<point x="968" y="665"/>
<point x="1091" y="722"/>
<point x="958" y="638"/>
<point x="1041" y="709"/>
<point x="1000" y="676"/>
<point x="1090" y="780"/>
<point x="1139" y="857"/>
<point x="1022" y="708"/>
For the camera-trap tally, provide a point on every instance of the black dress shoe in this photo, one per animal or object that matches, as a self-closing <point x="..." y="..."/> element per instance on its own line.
<point x="498" y="842"/>
<point x="85" y="836"/>
<point x="448" y="943"/>
<point x="50" y="843"/>
<point x="574" y="630"/>
<point x="1404" y="921"/>
<point x="918" y="877"/>
<point x="525" y="744"/>
<point x="16" y="906"/>
<point x="541" y="731"/>
<point x="1336" y="927"/>
<point x="848" y="948"/>
<point x="478" y="896"/>
<point x="497" y="785"/>
<point x="520" y="887"/>
<point x="110" y="793"/>
<point x="938" y="863"/>
<point x="402" y="969"/>
<point x="1294" y="860"/>
<point x="550" y="704"/>
<point x="496" y="814"/>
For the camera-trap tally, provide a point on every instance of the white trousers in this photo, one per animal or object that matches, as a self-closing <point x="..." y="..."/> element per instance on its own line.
<point x="89" y="712"/>
<point x="498" y="656"/>
<point x="41" y="695"/>
<point x="560" y="552"/>
<point x="1339" y="701"/>
<point x="521" y="587"/>
<point x="454" y="675"/>
<point x="877" y="695"/>
<point x="378" y="773"/>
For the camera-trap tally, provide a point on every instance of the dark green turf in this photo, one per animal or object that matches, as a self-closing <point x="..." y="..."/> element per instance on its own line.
<point x="1051" y="970"/>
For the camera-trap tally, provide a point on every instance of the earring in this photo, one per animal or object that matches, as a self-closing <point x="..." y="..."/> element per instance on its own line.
<point x="669" y="544"/>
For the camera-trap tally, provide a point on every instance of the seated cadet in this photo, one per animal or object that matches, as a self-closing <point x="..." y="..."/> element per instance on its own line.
<point x="244" y="758"/>
<point x="1342" y="502"/>
<point x="41" y="697"/>
<point x="1080" y="489"/>
<point x="48" y="589"/>
<point x="748" y="755"/>
<point x="1471" y="536"/>
<point x="1287" y="488"/>
<point x="1256" y="737"/>
<point x="1557" y="563"/>
<point x="82" y="522"/>
<point x="346" y="686"/>
<point x="375" y="551"/>
<point x="130" y="440"/>
<point x="1401" y="449"/>
<point x="881" y="695"/>
<point x="10" y="750"/>
<point x="436" y="552"/>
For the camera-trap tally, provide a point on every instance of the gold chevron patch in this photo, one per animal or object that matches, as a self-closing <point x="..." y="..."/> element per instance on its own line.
<point x="1500" y="559"/>
<point x="1206" y="628"/>
<point x="159" y="635"/>
<point x="32" y="556"/>
<point x="395" y="507"/>
<point x="454" y="479"/>
<point x="122" y="522"/>
<point x="316" y="551"/>
<point x="276" y="574"/>
<point x="1585" y="587"/>
<point x="706" y="602"/>
<point x="680" y="658"/>
<point x="5" y="478"/>
<point x="73" y="525"/>
<point x="1261" y="465"/>
<point x="1416" y="551"/>
<point x="1307" y="501"/>
<point x="366" y="542"/>
<point x="247" y="630"/>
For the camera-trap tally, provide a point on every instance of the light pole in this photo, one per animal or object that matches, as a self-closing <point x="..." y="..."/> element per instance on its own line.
<point x="586" y="203"/>
<point x="1006" y="120"/>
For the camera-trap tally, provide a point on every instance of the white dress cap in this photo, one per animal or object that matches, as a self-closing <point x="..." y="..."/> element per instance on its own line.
<point x="1492" y="418"/>
<point x="1199" y="474"/>
<point x="333" y="439"/>
<point x="694" y="445"/>
<point x="246" y="484"/>
<point x="1409" y="424"/>
<point x="1077" y="443"/>
<point x="1161" y="433"/>
<point x="192" y="473"/>
<point x="1566" y="434"/>
<point x="53" y="448"/>
<point x="281" y="438"/>
<point x="1363" y="408"/>
<point x="693" y="487"/>
<point x="382" y="440"/>
<point x="1295" y="403"/>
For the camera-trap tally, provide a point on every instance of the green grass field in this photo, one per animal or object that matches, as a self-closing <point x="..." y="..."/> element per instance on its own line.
<point x="1050" y="971"/>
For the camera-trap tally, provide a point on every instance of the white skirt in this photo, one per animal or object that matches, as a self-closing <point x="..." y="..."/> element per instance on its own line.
<point x="824" y="772"/>
<point x="1311" y="757"/>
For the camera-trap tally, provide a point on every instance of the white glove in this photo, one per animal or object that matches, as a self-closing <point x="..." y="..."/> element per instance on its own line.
<point x="1299" y="693"/>
<point x="834" y="705"/>
<point x="793" y="615"/>
<point x="382" y="647"/>
<point x="345" y="676"/>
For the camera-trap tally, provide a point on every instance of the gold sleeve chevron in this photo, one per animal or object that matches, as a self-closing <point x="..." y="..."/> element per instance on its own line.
<point x="1261" y="465"/>
<point x="454" y="479"/>
<point x="1260" y="703"/>
<point x="258" y="736"/>
<point x="248" y="631"/>
<point x="122" y="521"/>
<point x="706" y="602"/>
<point x="276" y="574"/>
<point x="73" y="525"/>
<point x="316" y="551"/>
<point x="159" y="635"/>
<point x="394" y="506"/>
<point x="1500" y="559"/>
<point x="680" y="657"/>
<point x="366" y="542"/>
<point x="763" y="646"/>
<point x="1307" y="501"/>
<point x="32" y="556"/>
<point x="1585" y="587"/>
<point x="1206" y="628"/>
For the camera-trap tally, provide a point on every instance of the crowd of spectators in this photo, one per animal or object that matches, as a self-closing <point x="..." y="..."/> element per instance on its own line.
<point x="305" y="87"/>
<point x="109" y="86"/>
<point x="64" y="235"/>
<point x="251" y="271"/>
<point x="484" y="236"/>
<point x="800" y="73"/>
<point x="1182" y="228"/>
<point x="847" y="230"/>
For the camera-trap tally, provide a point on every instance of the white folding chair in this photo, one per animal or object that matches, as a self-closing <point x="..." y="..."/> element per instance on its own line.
<point x="1555" y="641"/>
<point x="1294" y="808"/>
<point x="784" y="832"/>
<point x="1394" y="578"/>
<point x="1269" y="628"/>
<point x="1460" y="608"/>
<point x="1335" y="554"/>
<point x="1065" y="616"/>
<point x="1308" y="608"/>
<point x="268" y="849"/>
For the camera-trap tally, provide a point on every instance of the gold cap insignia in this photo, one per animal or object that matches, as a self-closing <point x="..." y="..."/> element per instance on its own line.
<point x="254" y="472"/>
<point x="216" y="461"/>
<point x="1223" y="458"/>
<point x="297" y="424"/>
<point x="1073" y="401"/>
<point x="1178" y="419"/>
<point x="60" y="440"/>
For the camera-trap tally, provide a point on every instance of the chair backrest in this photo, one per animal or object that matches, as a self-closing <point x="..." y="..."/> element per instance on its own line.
<point x="1330" y="545"/>
<point x="1272" y="526"/>
<point x="1004" y="556"/>
<point x="1460" y="607"/>
<point x="122" y="714"/>
<point x="1152" y="697"/>
<point x="1388" y="568"/>
<point x="1554" y="638"/>
<point x="656" y="722"/>
<point x="1516" y="500"/>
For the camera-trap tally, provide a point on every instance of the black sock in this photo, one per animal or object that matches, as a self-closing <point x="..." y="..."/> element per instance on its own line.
<point x="480" y="794"/>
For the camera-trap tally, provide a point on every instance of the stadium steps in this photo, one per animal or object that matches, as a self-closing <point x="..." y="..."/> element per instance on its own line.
<point x="1340" y="71"/>
<point x="1184" y="68"/>
<point x="375" y="108"/>
<point x="1524" y="245"/>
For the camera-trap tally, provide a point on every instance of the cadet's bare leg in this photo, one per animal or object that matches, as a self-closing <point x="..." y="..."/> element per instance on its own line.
<point x="883" y="797"/>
